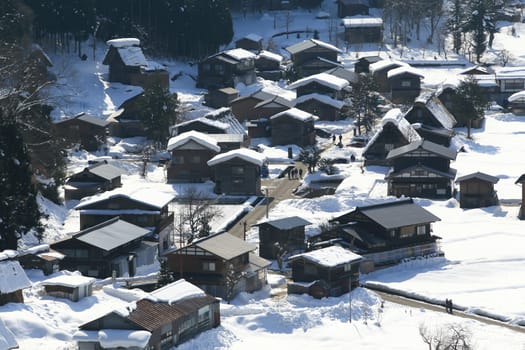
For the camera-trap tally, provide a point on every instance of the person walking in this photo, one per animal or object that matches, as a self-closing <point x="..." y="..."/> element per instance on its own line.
<point x="340" y="139"/>
<point x="333" y="138"/>
<point x="300" y="173"/>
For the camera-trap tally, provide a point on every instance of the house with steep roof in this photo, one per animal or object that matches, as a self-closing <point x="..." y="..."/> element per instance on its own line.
<point x="388" y="232"/>
<point x="326" y="272"/>
<point x="405" y="84"/>
<point x="111" y="247"/>
<point x="281" y="235"/>
<point x="70" y="286"/>
<point x="271" y="106"/>
<point x="251" y="42"/>
<point x="242" y="107"/>
<point x="293" y="127"/>
<point x="379" y="71"/>
<point x="128" y="65"/>
<point x="227" y="69"/>
<point x="211" y="261"/>
<point x="237" y="172"/>
<point x="421" y="169"/>
<point x="395" y="131"/>
<point x="321" y="83"/>
<point x="363" y="29"/>
<point x="13" y="279"/>
<point x="323" y="106"/>
<point x="190" y="152"/>
<point x="96" y="178"/>
<point x="144" y="207"/>
<point x="83" y="129"/>
<point x="312" y="56"/>
<point x="476" y="190"/>
<point x="162" y="319"/>
<point x="269" y="65"/>
<point x="429" y="110"/>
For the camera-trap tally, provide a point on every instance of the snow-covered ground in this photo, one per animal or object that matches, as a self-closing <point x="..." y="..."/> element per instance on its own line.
<point x="483" y="268"/>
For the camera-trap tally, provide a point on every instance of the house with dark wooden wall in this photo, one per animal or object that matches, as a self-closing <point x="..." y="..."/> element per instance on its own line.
<point x="111" y="246"/>
<point x="84" y="129"/>
<point x="362" y="65"/>
<point x="427" y="109"/>
<point x="227" y="69"/>
<point x="144" y="207"/>
<point x="125" y="121"/>
<point x="237" y="172"/>
<point x="313" y="56"/>
<point x="128" y="65"/>
<point x="388" y="232"/>
<point x="271" y="106"/>
<point x="293" y="127"/>
<point x="421" y="169"/>
<point x="93" y="179"/>
<point x="40" y="257"/>
<point x="251" y="42"/>
<point x="405" y="84"/>
<point x="438" y="135"/>
<point x="380" y="71"/>
<point x="326" y="272"/>
<point x="69" y="286"/>
<point x="190" y="152"/>
<point x="395" y="131"/>
<point x="268" y="65"/>
<point x="321" y="83"/>
<point x="281" y="235"/>
<point x="164" y="319"/>
<point x="323" y="106"/>
<point x="347" y="8"/>
<point x="221" y="97"/>
<point x="14" y="280"/>
<point x="363" y="29"/>
<point x="242" y="107"/>
<point x="208" y="261"/>
<point x="476" y="190"/>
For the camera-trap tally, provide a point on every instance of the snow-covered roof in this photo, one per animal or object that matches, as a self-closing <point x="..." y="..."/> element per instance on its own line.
<point x="71" y="281"/>
<point x="437" y="108"/>
<point x="123" y="42"/>
<point x="404" y="70"/>
<point x="309" y="43"/>
<point x="362" y="21"/>
<point x="12" y="277"/>
<point x="240" y="54"/>
<point x="132" y="56"/>
<point x="329" y="256"/>
<point x="253" y="37"/>
<point x="144" y="195"/>
<point x="379" y="65"/>
<point x="198" y="137"/>
<point x="511" y="73"/>
<point x="176" y="291"/>
<point x="270" y="56"/>
<point x="295" y="113"/>
<point x="242" y="153"/>
<point x="115" y="338"/>
<point x="207" y="121"/>
<point x="321" y="98"/>
<point x="8" y="254"/>
<point x="518" y="96"/>
<point x="7" y="338"/>
<point x="324" y="79"/>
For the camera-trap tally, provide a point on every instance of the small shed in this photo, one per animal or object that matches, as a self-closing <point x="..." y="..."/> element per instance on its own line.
<point x="13" y="280"/>
<point x="380" y="71"/>
<point x="268" y="65"/>
<point x="293" y="126"/>
<point x="252" y="42"/>
<point x="41" y="257"/>
<point x="84" y="129"/>
<point x="72" y="287"/>
<point x="516" y="102"/>
<point x="221" y="97"/>
<point x="93" y="179"/>
<point x="330" y="271"/>
<point x="286" y="234"/>
<point x="405" y="84"/>
<point x="476" y="190"/>
<point x="362" y="65"/>
<point x="363" y="29"/>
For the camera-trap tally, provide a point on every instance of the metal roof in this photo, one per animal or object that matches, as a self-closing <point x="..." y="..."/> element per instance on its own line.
<point x="105" y="170"/>
<point x="225" y="246"/>
<point x="344" y="73"/>
<point x="88" y="119"/>
<point x="309" y="43"/>
<point x="111" y="234"/>
<point x="478" y="175"/>
<point x="425" y="145"/>
<point x="286" y="223"/>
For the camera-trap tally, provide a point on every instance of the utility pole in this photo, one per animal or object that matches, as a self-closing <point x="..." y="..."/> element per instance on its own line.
<point x="244" y="223"/>
<point x="267" y="202"/>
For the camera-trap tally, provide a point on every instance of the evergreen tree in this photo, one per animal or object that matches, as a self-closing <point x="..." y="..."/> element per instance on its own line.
<point x="455" y="23"/>
<point x="310" y="156"/>
<point x="364" y="102"/>
<point x="165" y="275"/>
<point x="469" y="103"/>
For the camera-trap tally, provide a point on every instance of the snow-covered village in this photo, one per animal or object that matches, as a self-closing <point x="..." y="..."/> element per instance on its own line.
<point x="244" y="174"/>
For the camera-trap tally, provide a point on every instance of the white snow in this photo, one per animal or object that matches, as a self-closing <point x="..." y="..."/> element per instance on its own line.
<point x="132" y="56"/>
<point x="65" y="280"/>
<point x="198" y="137"/>
<point x="325" y="79"/>
<point x="321" y="98"/>
<point x="7" y="338"/>
<point x="245" y="154"/>
<point x="253" y="37"/>
<point x="379" y="65"/>
<point x="270" y="56"/>
<point x="240" y="54"/>
<point x="295" y="113"/>
<point x="329" y="256"/>
<point x="12" y="277"/>
<point x="404" y="69"/>
<point x="123" y="42"/>
<point x="144" y="195"/>
<point x="518" y="96"/>
<point x="362" y="21"/>
<point x="175" y="292"/>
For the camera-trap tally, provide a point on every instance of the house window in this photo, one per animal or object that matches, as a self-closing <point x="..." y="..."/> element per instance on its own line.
<point x="208" y="266"/>
<point x="406" y="83"/>
<point x="237" y="170"/>
<point x="405" y="232"/>
<point x="348" y="267"/>
<point x="421" y="229"/>
<point x="204" y="314"/>
<point x="419" y="172"/>
<point x="513" y="85"/>
<point x="177" y="159"/>
<point x="195" y="159"/>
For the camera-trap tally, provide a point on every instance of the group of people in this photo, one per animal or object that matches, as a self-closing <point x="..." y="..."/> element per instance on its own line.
<point x="340" y="138"/>
<point x="295" y="173"/>
<point x="448" y="305"/>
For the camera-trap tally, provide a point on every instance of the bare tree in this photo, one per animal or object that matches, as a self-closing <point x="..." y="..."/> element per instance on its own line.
<point x="232" y="277"/>
<point x="451" y="336"/>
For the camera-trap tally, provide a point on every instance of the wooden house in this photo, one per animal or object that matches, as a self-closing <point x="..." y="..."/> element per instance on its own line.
<point x="326" y="272"/>
<point x="405" y="84"/>
<point x="388" y="232"/>
<point x="97" y="178"/>
<point x="14" y="279"/>
<point x="269" y="66"/>
<point x="68" y="286"/>
<point x="321" y="83"/>
<point x="323" y="106"/>
<point x="521" y="180"/>
<point x="242" y="107"/>
<point x="227" y="69"/>
<point x="272" y="106"/>
<point x="250" y="42"/>
<point x="446" y="93"/>
<point x="363" y="29"/>
<point x="347" y="8"/>
<point x="83" y="129"/>
<point x="313" y="56"/>
<point x="362" y="65"/>
<point x="438" y="135"/>
<point x="111" y="247"/>
<point x="221" y="97"/>
<point x="516" y="103"/>
<point x="125" y="121"/>
<point x="429" y="110"/>
<point x="286" y="234"/>
<point x="165" y="318"/>
<point x="476" y="190"/>
<point x="208" y="261"/>
<point x="144" y="207"/>
<point x="395" y="131"/>
<point x="237" y="172"/>
<point x="380" y="71"/>
<point x="421" y="169"/>
<point x="293" y="127"/>
<point x="128" y="65"/>
<point x="343" y="73"/>
<point x="40" y="257"/>
<point x="190" y="152"/>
